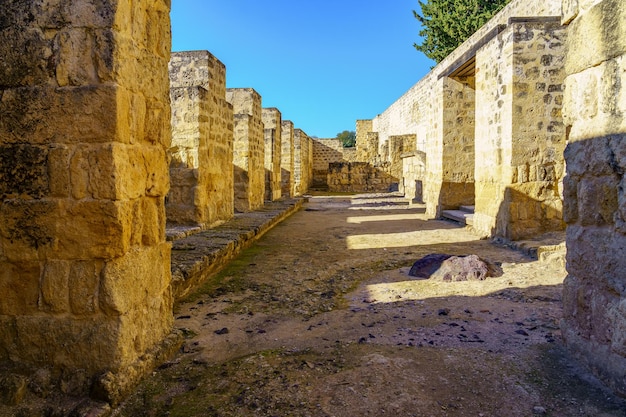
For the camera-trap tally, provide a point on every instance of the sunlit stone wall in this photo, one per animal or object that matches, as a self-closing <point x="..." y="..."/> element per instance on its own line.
<point x="286" y="159"/>
<point x="84" y="131"/>
<point x="248" y="149"/>
<point x="520" y="135"/>
<point x="201" y="154"/>
<point x="594" y="300"/>
<point x="272" y="121"/>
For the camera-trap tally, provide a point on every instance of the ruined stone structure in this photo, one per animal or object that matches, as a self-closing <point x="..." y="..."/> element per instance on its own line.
<point x="201" y="154"/>
<point x="85" y="269"/>
<point x="325" y="151"/>
<point x="520" y="136"/>
<point x="286" y="159"/>
<point x="357" y="177"/>
<point x="272" y="120"/>
<point x="413" y="175"/>
<point x="303" y="162"/>
<point x="594" y="300"/>
<point x="248" y="149"/>
<point x="85" y="133"/>
<point x="398" y="146"/>
<point x="476" y="118"/>
<point x="366" y="141"/>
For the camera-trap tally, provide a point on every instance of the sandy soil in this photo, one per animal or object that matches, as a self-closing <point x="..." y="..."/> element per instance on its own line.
<point x="320" y="318"/>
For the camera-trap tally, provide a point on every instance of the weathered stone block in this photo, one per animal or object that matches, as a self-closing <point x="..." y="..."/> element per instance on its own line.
<point x="24" y="171"/>
<point x="19" y="284"/>
<point x="596" y="36"/>
<point x="83" y="282"/>
<point x="27" y="49"/>
<point x="118" y="294"/>
<point x="26" y="228"/>
<point x="81" y="112"/>
<point x="55" y="286"/>
<point x="597" y="200"/>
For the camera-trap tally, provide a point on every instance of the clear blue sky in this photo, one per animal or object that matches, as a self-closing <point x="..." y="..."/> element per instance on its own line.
<point x="324" y="63"/>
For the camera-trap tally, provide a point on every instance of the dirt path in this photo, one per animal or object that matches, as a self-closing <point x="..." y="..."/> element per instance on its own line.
<point x="320" y="318"/>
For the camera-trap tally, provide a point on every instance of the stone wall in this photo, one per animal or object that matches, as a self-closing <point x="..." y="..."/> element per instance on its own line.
<point x="85" y="269"/>
<point x="594" y="300"/>
<point x="272" y="120"/>
<point x="413" y="175"/>
<point x="479" y="105"/>
<point x="350" y="154"/>
<point x="248" y="149"/>
<point x="519" y="131"/>
<point x="286" y="160"/>
<point x="364" y="149"/>
<point x="325" y="151"/>
<point x="357" y="177"/>
<point x="407" y="114"/>
<point x="399" y="145"/>
<point x="201" y="177"/>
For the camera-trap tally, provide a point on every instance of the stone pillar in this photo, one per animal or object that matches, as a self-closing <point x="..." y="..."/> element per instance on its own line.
<point x="84" y="266"/>
<point x="272" y="120"/>
<point x="298" y="141"/>
<point x="519" y="130"/>
<point x="286" y="159"/>
<point x="248" y="149"/>
<point x="201" y="154"/>
<point x="303" y="162"/>
<point x="363" y="151"/>
<point x="594" y="299"/>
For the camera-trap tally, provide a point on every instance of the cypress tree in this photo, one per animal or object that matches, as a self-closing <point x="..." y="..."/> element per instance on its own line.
<point x="448" y="23"/>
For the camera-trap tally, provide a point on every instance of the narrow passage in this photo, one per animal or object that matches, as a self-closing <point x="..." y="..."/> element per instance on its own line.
<point x="320" y="318"/>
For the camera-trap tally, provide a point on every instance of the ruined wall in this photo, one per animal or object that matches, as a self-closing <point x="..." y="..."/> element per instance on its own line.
<point x="594" y="297"/>
<point x="519" y="132"/>
<point x="420" y="111"/>
<point x="248" y="149"/>
<point x="272" y="120"/>
<point x="85" y="274"/>
<point x="404" y="115"/>
<point x="350" y="154"/>
<point x="399" y="145"/>
<point x="202" y="141"/>
<point x="325" y="151"/>
<point x="413" y="175"/>
<point x="357" y="177"/>
<point x="286" y="160"/>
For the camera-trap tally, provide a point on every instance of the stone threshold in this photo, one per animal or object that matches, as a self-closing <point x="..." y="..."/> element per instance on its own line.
<point x="549" y="247"/>
<point x="198" y="254"/>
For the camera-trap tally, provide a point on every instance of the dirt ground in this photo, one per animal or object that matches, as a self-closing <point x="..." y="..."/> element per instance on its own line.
<point x="320" y="318"/>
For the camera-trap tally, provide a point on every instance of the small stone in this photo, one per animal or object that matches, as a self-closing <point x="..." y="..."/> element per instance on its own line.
<point x="223" y="330"/>
<point x="443" y="311"/>
<point x="12" y="389"/>
<point x="522" y="332"/>
<point x="539" y="411"/>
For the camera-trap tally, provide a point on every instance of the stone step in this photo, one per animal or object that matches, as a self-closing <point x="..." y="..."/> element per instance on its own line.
<point x="467" y="209"/>
<point x="460" y="216"/>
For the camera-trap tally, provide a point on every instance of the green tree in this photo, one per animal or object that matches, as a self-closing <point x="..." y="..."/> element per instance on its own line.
<point x="448" y="23"/>
<point x="347" y="138"/>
